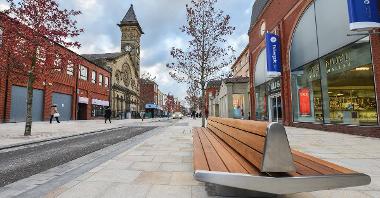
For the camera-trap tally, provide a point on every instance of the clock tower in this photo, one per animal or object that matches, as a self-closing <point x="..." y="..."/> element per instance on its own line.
<point x="131" y="32"/>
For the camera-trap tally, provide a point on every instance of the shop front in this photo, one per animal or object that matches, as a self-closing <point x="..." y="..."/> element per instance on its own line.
<point x="99" y="107"/>
<point x="332" y="78"/>
<point x="267" y="92"/>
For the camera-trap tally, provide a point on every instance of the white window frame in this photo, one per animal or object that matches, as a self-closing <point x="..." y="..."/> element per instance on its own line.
<point x="106" y="81"/>
<point x="93" y="77"/>
<point x="70" y="68"/>
<point x="83" y="72"/>
<point x="1" y="36"/>
<point x="100" y="79"/>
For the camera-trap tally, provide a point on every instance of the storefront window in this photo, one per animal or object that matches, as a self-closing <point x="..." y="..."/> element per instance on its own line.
<point x="238" y="105"/>
<point x="338" y="88"/>
<point x="261" y="102"/>
<point x="97" y="111"/>
<point x="351" y="89"/>
<point x="306" y="90"/>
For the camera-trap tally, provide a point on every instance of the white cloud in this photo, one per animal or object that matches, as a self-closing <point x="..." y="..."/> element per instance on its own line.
<point x="3" y="6"/>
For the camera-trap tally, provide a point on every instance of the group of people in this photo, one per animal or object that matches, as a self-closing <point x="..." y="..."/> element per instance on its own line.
<point x="196" y="115"/>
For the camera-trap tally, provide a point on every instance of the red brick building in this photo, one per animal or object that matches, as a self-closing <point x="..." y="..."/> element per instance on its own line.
<point x="330" y="78"/>
<point x="149" y="97"/>
<point x="81" y="91"/>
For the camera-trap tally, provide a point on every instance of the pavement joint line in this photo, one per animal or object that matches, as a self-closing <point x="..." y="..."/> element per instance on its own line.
<point x="99" y="157"/>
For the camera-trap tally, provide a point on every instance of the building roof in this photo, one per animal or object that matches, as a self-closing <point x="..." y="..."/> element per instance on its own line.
<point x="257" y="9"/>
<point x="107" y="56"/>
<point x="214" y="83"/>
<point x="101" y="59"/>
<point x="236" y="80"/>
<point x="130" y="19"/>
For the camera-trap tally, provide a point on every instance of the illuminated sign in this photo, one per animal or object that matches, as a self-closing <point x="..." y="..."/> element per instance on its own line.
<point x="304" y="100"/>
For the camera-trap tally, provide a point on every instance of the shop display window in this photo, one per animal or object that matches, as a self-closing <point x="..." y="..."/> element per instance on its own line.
<point x="238" y="105"/>
<point x="261" y="102"/>
<point x="337" y="89"/>
<point x="306" y="94"/>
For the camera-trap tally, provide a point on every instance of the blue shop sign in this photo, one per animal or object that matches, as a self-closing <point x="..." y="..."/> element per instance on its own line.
<point x="364" y="14"/>
<point x="273" y="48"/>
<point x="150" y="106"/>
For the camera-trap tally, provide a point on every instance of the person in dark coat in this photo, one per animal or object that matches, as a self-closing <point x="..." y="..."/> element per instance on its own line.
<point x="107" y="115"/>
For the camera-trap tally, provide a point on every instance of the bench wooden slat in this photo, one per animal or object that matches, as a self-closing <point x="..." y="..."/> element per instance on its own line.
<point x="200" y="161"/>
<point x="213" y="159"/>
<point x="324" y="170"/>
<point x="244" y="163"/>
<point x="255" y="127"/>
<point x="324" y="163"/>
<point x="232" y="165"/>
<point x="252" y="140"/>
<point x="250" y="154"/>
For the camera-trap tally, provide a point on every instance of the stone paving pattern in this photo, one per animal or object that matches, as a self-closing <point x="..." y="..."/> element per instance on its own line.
<point x="161" y="166"/>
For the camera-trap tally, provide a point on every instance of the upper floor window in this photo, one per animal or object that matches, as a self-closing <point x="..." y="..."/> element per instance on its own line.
<point x="106" y="81"/>
<point x="70" y="68"/>
<point x="83" y="72"/>
<point x="93" y="77"/>
<point x="57" y="63"/>
<point x="100" y="80"/>
<point x="1" y="36"/>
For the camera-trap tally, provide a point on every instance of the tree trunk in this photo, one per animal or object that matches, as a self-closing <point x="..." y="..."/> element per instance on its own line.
<point x="29" y="106"/>
<point x="203" y="106"/>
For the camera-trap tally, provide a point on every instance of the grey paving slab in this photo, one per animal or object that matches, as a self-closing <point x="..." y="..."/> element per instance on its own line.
<point x="161" y="166"/>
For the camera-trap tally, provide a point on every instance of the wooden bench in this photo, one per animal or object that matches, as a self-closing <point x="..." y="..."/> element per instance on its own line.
<point x="256" y="156"/>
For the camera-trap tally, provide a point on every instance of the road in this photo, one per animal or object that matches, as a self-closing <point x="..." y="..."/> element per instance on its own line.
<point x="20" y="163"/>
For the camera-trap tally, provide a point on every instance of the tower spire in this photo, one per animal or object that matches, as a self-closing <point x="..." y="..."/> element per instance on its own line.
<point x="130" y="19"/>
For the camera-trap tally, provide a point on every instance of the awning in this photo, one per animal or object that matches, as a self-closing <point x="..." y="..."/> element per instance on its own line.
<point x="100" y="102"/>
<point x="83" y="100"/>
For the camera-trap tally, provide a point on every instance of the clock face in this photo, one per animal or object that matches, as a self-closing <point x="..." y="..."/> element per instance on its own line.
<point x="128" y="48"/>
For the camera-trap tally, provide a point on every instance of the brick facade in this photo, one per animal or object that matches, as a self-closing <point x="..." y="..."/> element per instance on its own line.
<point x="281" y="17"/>
<point x="58" y="82"/>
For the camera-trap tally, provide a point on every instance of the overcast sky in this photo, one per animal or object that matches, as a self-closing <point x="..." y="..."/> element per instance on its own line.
<point x="160" y="20"/>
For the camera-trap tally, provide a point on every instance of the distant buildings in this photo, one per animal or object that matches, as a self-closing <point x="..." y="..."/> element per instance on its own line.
<point x="241" y="66"/>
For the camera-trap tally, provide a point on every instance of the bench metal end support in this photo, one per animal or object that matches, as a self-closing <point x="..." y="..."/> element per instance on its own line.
<point x="277" y="154"/>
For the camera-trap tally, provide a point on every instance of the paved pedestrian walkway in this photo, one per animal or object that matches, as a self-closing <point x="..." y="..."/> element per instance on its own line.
<point x="13" y="133"/>
<point x="161" y="166"/>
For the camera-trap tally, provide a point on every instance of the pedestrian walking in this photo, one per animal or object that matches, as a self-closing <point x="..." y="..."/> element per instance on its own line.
<point x="107" y="115"/>
<point x="54" y="113"/>
<point x="193" y="115"/>
<point x="142" y="115"/>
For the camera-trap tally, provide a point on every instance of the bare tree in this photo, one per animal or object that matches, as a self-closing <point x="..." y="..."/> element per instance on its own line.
<point x="35" y="31"/>
<point x="207" y="52"/>
<point x="193" y="97"/>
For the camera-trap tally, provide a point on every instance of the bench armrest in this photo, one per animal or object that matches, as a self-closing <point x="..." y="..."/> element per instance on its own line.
<point x="277" y="156"/>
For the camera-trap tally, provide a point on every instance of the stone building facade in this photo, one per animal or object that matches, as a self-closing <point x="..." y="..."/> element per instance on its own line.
<point x="125" y="100"/>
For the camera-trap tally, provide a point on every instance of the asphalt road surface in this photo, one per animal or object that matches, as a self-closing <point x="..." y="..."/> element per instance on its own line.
<point x="20" y="163"/>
